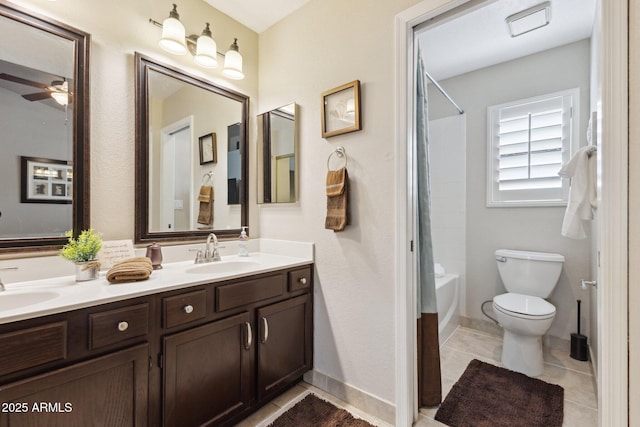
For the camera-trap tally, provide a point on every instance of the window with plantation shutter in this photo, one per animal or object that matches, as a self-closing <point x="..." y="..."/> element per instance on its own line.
<point x="528" y="141"/>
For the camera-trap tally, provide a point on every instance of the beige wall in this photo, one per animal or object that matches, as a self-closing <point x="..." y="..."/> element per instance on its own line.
<point x="323" y="45"/>
<point x="118" y="29"/>
<point x="634" y="215"/>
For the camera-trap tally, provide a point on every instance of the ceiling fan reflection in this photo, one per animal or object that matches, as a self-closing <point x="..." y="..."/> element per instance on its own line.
<point x="58" y="89"/>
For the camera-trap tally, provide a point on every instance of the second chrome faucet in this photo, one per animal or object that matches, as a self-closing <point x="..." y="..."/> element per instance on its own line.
<point x="211" y="252"/>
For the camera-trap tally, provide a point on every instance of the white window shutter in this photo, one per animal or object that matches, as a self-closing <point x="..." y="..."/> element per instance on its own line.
<point x="529" y="140"/>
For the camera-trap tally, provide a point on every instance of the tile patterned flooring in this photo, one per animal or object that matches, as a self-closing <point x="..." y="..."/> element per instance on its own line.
<point x="268" y="413"/>
<point x="580" y="404"/>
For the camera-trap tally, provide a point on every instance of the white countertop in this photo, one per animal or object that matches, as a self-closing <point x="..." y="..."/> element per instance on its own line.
<point x="59" y="294"/>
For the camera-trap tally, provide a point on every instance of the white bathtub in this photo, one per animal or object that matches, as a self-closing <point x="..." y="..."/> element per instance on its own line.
<point x="448" y="312"/>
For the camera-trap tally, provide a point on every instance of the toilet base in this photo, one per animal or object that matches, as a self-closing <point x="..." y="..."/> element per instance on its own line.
<point x="522" y="353"/>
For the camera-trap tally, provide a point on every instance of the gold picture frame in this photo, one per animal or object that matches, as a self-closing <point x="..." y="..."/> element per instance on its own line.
<point x="341" y="110"/>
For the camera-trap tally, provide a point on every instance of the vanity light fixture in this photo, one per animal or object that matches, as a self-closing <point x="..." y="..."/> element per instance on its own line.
<point x="203" y="47"/>
<point x="173" y="34"/>
<point x="529" y="19"/>
<point x="233" y="62"/>
<point x="206" y="50"/>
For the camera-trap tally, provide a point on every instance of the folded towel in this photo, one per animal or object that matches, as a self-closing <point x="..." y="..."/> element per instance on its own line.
<point x="582" y="194"/>
<point x="206" y="198"/>
<point x="130" y="270"/>
<point x="206" y="194"/>
<point x="337" y="200"/>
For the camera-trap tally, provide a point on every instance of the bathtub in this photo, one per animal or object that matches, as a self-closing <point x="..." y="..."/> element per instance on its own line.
<point x="447" y="301"/>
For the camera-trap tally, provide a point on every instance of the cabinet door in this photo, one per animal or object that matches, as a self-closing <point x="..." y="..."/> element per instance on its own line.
<point x="207" y="372"/>
<point x="107" y="391"/>
<point x="285" y="346"/>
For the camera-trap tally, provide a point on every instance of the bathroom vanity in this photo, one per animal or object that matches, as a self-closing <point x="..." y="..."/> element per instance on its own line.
<point x="194" y="345"/>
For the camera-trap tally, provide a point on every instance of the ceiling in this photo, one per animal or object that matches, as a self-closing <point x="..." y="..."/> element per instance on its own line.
<point x="257" y="14"/>
<point x="480" y="38"/>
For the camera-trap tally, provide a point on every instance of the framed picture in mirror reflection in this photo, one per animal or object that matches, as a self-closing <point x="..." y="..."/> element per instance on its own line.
<point x="46" y="180"/>
<point x="208" y="149"/>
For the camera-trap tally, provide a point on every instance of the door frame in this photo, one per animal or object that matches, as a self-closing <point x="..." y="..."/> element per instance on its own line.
<point x="167" y="136"/>
<point x="612" y="307"/>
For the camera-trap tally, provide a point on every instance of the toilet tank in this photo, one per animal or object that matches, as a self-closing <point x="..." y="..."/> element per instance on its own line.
<point x="529" y="273"/>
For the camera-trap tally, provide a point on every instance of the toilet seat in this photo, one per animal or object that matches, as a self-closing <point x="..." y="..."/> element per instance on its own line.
<point x="524" y="306"/>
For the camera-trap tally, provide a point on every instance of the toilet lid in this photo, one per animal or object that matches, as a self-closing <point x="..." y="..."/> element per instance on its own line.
<point x="524" y="304"/>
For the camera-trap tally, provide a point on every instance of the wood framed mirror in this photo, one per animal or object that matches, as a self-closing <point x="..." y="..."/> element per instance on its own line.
<point x="44" y="111"/>
<point x="180" y="197"/>
<point x="277" y="166"/>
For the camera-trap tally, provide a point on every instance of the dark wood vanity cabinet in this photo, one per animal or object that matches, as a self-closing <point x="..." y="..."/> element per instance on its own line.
<point x="284" y="348"/>
<point x="204" y="355"/>
<point x="207" y="373"/>
<point x="106" y="391"/>
<point x="79" y="368"/>
<point x="258" y="342"/>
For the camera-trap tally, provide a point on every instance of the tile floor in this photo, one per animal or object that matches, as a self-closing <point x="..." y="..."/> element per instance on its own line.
<point x="580" y="407"/>
<point x="268" y="413"/>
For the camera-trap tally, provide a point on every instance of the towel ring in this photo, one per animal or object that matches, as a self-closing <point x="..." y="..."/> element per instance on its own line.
<point x="206" y="177"/>
<point x="341" y="153"/>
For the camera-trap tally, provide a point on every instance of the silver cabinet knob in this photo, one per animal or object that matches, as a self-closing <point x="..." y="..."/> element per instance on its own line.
<point x="303" y="280"/>
<point x="123" y="326"/>
<point x="188" y="309"/>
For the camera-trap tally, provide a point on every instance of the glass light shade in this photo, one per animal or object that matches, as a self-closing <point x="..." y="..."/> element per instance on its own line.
<point x="61" y="98"/>
<point x="233" y="65"/>
<point x="206" y="52"/>
<point x="173" y="37"/>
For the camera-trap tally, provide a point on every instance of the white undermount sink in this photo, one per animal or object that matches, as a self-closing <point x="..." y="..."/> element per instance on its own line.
<point x="10" y="300"/>
<point x="224" y="267"/>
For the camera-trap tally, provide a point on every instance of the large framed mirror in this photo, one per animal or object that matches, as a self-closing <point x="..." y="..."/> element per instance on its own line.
<point x="191" y="155"/>
<point x="44" y="112"/>
<point x="277" y="162"/>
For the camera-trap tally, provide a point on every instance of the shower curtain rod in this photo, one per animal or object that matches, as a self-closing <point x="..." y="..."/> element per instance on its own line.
<point x="442" y="91"/>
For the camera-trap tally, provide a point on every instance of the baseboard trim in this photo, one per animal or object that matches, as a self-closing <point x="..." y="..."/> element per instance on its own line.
<point x="360" y="399"/>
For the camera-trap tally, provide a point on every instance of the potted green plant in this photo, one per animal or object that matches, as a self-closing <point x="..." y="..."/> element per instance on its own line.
<point x="83" y="251"/>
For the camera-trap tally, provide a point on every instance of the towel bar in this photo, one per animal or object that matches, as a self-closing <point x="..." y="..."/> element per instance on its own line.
<point x="340" y="152"/>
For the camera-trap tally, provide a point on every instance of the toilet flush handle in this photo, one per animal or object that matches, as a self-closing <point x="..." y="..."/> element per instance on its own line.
<point x="501" y="259"/>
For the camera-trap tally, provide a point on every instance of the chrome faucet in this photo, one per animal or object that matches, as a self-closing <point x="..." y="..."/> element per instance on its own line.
<point x="211" y="253"/>
<point x="2" y="288"/>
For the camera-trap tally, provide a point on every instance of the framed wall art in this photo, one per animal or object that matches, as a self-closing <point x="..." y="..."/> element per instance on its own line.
<point x="341" y="110"/>
<point x="46" y="180"/>
<point x="208" y="148"/>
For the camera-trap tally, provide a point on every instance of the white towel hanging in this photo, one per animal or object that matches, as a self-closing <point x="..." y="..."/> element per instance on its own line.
<point x="582" y="193"/>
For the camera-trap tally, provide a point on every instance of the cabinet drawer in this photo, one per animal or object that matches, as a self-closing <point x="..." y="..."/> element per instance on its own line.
<point x="113" y="326"/>
<point x="248" y="292"/>
<point x="300" y="279"/>
<point x="31" y="347"/>
<point x="184" y="308"/>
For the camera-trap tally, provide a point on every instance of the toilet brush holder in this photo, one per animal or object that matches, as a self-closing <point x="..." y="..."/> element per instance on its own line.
<point x="579" y="349"/>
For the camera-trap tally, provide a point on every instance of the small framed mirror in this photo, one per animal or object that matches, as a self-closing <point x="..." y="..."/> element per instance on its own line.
<point x="277" y="160"/>
<point x="191" y="156"/>
<point x="44" y="112"/>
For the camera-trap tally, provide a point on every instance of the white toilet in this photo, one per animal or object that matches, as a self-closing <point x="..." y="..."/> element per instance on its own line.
<point x="522" y="312"/>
